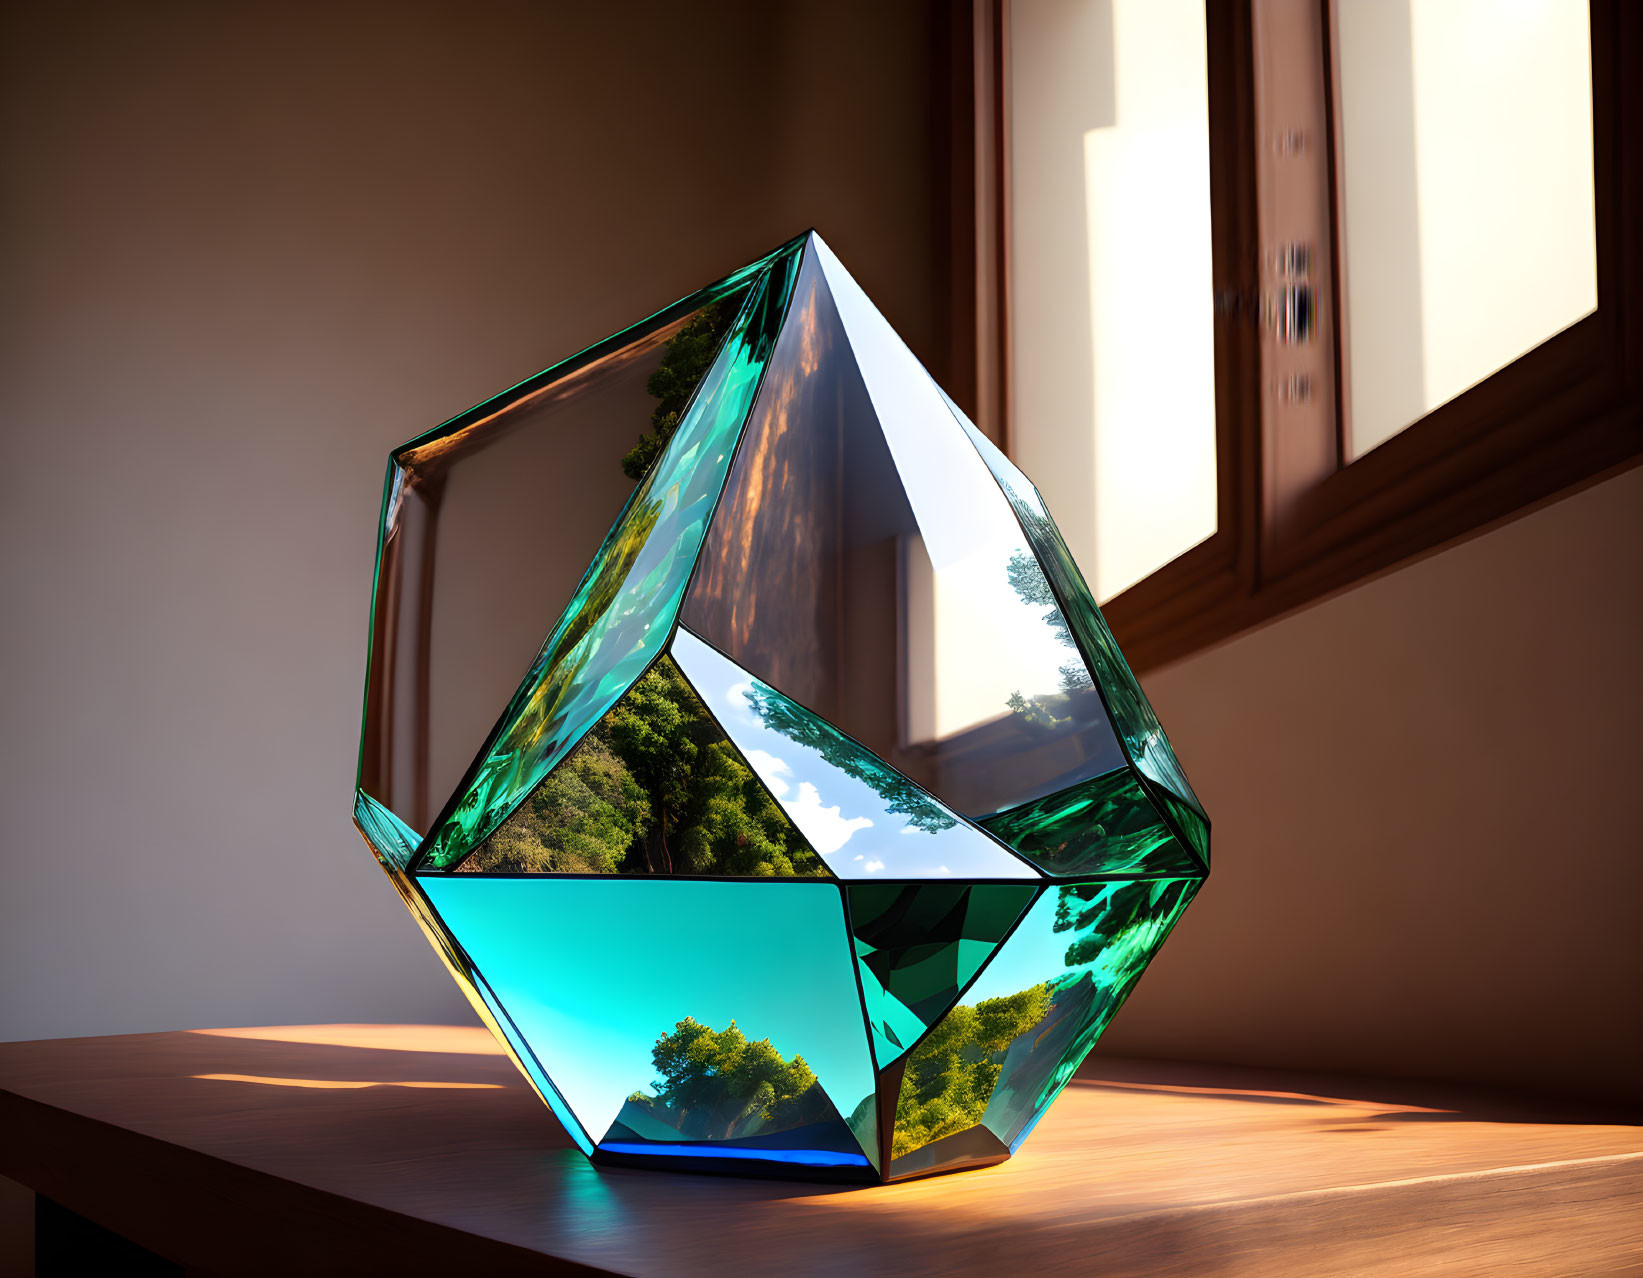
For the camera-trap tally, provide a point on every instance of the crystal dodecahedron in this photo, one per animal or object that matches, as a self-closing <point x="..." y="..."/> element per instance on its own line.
<point x="826" y="828"/>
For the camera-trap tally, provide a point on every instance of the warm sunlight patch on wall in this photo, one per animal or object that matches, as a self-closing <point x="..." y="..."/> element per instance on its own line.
<point x="1469" y="230"/>
<point x="1114" y="392"/>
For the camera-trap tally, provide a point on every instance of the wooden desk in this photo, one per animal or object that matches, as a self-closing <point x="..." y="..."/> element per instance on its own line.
<point x="416" y="1149"/>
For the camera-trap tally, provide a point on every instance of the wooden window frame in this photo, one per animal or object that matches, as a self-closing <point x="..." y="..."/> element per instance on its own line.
<point x="1295" y="523"/>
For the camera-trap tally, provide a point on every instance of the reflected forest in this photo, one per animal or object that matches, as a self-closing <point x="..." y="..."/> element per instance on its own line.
<point x="1032" y="587"/>
<point x="687" y="359"/>
<point x="654" y="788"/>
<point x="811" y="732"/>
<point x="716" y="1085"/>
<point x="999" y="1062"/>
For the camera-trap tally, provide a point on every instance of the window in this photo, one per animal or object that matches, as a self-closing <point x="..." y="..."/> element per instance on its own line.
<point x="1111" y="277"/>
<point x="1272" y="294"/>
<point x="1466" y="211"/>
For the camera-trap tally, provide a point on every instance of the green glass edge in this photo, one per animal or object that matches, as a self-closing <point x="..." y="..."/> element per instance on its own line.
<point x="1191" y="826"/>
<point x="1033" y="829"/>
<point x="388" y="836"/>
<point x="676" y="310"/>
<point x="394" y="473"/>
<point x="477" y="807"/>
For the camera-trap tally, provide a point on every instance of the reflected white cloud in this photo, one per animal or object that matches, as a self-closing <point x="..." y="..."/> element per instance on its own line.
<point x="839" y="795"/>
<point x="771" y="771"/>
<point x="826" y="827"/>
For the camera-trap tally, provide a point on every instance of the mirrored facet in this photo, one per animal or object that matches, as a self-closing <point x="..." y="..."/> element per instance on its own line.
<point x="1144" y="739"/>
<point x="1002" y="1055"/>
<point x="721" y="1012"/>
<point x="654" y="788"/>
<point x="1110" y="825"/>
<point x="918" y="945"/>
<point x="621" y="613"/>
<point x="474" y="565"/>
<point x="864" y="818"/>
<point x="865" y="563"/>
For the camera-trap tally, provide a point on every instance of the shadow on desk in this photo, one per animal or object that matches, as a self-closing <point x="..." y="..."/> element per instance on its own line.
<point x="366" y="1148"/>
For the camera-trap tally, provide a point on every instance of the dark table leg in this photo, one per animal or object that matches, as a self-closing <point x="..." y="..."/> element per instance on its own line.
<point x="67" y="1245"/>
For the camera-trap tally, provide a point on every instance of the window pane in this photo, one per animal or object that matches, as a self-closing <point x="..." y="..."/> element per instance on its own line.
<point x="1466" y="130"/>
<point x="1112" y="302"/>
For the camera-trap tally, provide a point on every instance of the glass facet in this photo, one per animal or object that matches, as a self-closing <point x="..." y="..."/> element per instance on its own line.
<point x="869" y="569"/>
<point x="918" y="945"/>
<point x="654" y="788"/>
<point x="475" y="567"/>
<point x="1002" y="1055"/>
<point x="604" y="641"/>
<point x="1110" y="825"/>
<point x="686" y="1011"/>
<point x="864" y="818"/>
<point x="827" y="828"/>
<point x="1143" y="736"/>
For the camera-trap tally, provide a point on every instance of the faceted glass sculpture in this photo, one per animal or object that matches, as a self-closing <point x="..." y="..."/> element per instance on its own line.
<point x="818" y="827"/>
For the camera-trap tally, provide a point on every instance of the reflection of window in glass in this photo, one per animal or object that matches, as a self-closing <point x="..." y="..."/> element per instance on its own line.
<point x="1113" y="408"/>
<point x="1466" y="161"/>
<point x="982" y="643"/>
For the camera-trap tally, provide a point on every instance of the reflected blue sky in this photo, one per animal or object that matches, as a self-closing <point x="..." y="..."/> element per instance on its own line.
<point x="846" y="820"/>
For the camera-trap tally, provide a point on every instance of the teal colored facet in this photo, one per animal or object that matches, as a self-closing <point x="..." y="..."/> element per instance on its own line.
<point x="1111" y="825"/>
<point x="1001" y="1057"/>
<point x="863" y="817"/>
<point x="918" y="945"/>
<point x="616" y="984"/>
<point x="895" y="1028"/>
<point x="1132" y="713"/>
<point x="390" y="838"/>
<point x="655" y="787"/>
<point x="621" y="613"/>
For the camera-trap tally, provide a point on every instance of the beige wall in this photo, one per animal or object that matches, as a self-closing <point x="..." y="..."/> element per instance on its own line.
<point x="245" y="250"/>
<point x="1425" y="795"/>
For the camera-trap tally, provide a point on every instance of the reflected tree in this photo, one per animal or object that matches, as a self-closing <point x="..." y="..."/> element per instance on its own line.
<point x="1014" y="1053"/>
<point x="1027" y="579"/>
<point x="654" y="788"/>
<point x="901" y="796"/>
<point x="951" y="1074"/>
<point x="718" y="1085"/>
<point x="687" y="359"/>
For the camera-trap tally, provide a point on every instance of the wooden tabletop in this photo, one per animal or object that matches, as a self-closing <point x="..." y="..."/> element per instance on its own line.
<point x="412" y="1149"/>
